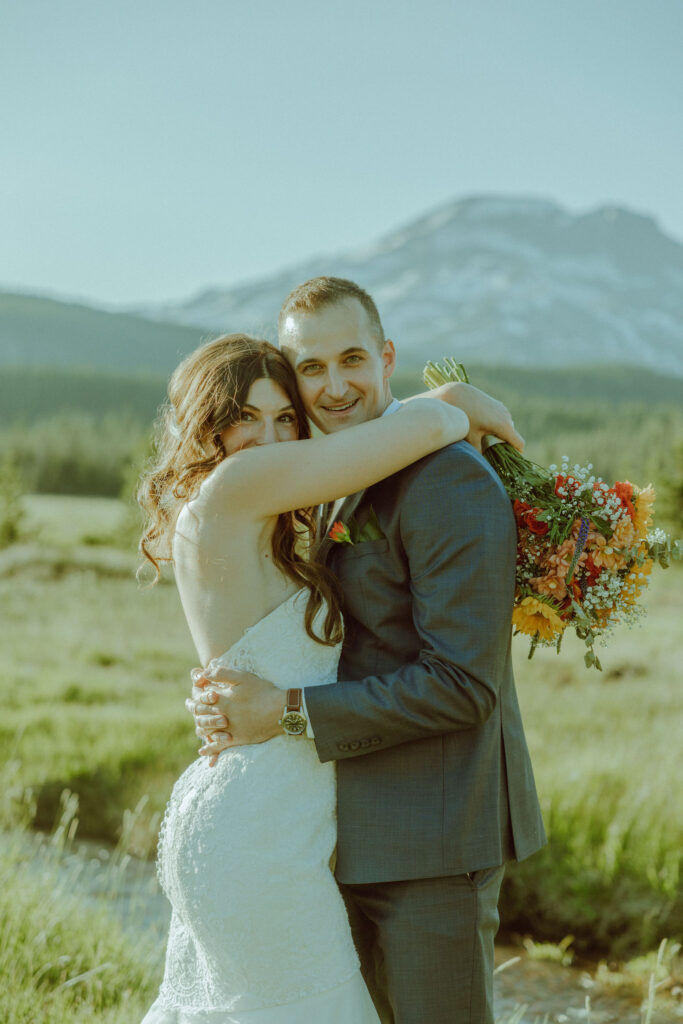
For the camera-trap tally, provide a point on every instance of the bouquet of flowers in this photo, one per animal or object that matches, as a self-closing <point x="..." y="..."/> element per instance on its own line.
<point x="585" y="550"/>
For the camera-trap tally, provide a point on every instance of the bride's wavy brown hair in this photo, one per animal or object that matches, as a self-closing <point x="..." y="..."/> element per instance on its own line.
<point x="206" y="395"/>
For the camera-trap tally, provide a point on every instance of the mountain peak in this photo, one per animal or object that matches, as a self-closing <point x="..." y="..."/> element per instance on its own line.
<point x="514" y="280"/>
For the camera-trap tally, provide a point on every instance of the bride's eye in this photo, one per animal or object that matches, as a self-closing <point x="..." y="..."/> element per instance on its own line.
<point x="246" y="417"/>
<point x="288" y="417"/>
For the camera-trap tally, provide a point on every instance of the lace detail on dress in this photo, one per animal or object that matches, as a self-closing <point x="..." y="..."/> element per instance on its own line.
<point x="244" y="854"/>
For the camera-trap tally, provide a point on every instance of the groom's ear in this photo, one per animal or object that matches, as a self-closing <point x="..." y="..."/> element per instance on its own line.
<point x="388" y="359"/>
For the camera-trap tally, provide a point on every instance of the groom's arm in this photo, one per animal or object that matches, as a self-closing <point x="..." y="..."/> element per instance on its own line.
<point x="459" y="536"/>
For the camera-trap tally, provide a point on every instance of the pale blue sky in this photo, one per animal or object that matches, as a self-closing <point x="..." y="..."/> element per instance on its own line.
<point x="151" y="148"/>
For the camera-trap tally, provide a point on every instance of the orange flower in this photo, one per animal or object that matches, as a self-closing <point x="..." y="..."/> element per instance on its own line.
<point x="644" y="501"/>
<point x="551" y="586"/>
<point x="603" y="615"/>
<point x="561" y="557"/>
<point x="532" y="617"/>
<point x="340" y="533"/>
<point x="624" y="536"/>
<point x="604" y="555"/>
<point x="636" y="581"/>
<point x="593" y="532"/>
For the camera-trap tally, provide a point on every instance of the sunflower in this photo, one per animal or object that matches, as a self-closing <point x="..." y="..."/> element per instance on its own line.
<point x="645" y="499"/>
<point x="636" y="581"/>
<point x="532" y="617"/>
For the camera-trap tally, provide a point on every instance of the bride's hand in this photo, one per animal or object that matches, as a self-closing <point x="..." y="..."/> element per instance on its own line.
<point x="250" y="707"/>
<point x="210" y="725"/>
<point x="486" y="415"/>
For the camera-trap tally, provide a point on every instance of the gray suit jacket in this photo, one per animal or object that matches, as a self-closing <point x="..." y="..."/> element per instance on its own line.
<point x="433" y="771"/>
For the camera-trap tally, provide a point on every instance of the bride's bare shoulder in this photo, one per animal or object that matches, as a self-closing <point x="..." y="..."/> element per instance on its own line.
<point x="209" y="528"/>
<point x="215" y="502"/>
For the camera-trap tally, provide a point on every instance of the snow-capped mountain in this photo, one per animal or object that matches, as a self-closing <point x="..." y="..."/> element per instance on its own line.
<point x="497" y="280"/>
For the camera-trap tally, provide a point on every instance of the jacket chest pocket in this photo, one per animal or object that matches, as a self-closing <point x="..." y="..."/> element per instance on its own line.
<point x="355" y="562"/>
<point x="371" y="581"/>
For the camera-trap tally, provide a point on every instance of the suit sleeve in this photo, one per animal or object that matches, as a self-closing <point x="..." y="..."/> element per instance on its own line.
<point x="459" y="536"/>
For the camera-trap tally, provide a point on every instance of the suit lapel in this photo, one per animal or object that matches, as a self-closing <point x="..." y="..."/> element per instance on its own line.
<point x="346" y="512"/>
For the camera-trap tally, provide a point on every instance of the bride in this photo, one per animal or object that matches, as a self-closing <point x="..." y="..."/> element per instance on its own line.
<point x="259" y="933"/>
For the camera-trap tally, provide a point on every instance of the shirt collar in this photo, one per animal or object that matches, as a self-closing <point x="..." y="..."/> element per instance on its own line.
<point x="394" y="404"/>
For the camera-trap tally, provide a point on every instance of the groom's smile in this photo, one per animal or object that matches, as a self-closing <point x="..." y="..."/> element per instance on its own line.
<point x="342" y="409"/>
<point x="342" y="368"/>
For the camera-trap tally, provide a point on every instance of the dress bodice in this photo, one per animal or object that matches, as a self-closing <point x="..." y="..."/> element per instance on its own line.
<point x="279" y="649"/>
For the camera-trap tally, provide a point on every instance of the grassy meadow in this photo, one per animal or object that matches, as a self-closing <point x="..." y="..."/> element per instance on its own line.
<point x="93" y="678"/>
<point x="66" y="962"/>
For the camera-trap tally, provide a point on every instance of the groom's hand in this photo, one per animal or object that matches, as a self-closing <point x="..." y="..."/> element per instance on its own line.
<point x="233" y="709"/>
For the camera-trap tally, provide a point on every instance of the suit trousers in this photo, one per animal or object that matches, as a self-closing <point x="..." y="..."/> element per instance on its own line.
<point x="426" y="946"/>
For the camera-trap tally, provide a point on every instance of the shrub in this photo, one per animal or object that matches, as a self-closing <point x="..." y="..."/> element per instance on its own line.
<point x="74" y="453"/>
<point x="11" y="505"/>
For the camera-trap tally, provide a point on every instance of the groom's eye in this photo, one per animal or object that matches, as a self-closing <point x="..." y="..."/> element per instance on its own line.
<point x="311" y="368"/>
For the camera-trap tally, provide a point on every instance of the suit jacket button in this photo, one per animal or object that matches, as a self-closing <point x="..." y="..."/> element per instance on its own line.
<point x="342" y="746"/>
<point x="354" y="745"/>
<point x="375" y="740"/>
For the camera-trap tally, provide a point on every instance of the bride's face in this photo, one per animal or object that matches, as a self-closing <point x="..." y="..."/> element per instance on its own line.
<point x="267" y="416"/>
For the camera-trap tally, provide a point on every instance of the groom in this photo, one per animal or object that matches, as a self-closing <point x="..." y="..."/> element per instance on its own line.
<point x="435" y="787"/>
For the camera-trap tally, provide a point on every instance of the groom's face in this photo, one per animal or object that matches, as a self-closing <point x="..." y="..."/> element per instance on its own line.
<point x="342" y="369"/>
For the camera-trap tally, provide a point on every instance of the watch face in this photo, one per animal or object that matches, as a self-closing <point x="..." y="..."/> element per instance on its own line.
<point x="294" y="723"/>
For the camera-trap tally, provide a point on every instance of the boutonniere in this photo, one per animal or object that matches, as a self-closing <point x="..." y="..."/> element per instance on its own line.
<point x="352" y="533"/>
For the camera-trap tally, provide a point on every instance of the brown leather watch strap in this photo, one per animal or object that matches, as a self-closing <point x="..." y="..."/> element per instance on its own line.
<point x="293" y="700"/>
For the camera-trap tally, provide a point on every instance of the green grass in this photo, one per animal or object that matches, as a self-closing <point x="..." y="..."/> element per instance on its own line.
<point x="69" y="959"/>
<point x="95" y="671"/>
<point x="66" y="960"/>
<point x="93" y="678"/>
<point x="64" y="520"/>
<point x="607" y="750"/>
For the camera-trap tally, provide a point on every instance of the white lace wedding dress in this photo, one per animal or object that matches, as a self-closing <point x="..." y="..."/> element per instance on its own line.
<point x="259" y="933"/>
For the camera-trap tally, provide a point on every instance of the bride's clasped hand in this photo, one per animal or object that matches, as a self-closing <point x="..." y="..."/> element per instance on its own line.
<point x="244" y="707"/>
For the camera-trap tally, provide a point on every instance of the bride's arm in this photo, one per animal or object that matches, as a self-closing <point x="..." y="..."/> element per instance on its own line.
<point x="486" y="414"/>
<point x="268" y="479"/>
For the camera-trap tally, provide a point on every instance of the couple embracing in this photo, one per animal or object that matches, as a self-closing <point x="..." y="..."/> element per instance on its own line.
<point x="364" y="775"/>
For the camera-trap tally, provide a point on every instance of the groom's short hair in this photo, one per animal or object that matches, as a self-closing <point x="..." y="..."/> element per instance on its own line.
<point x="320" y="292"/>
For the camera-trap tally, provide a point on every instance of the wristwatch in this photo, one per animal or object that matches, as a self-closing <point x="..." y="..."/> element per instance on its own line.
<point x="293" y="720"/>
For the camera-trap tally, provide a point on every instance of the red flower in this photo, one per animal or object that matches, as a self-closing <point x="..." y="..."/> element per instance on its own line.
<point x="624" y="492"/>
<point x="592" y="571"/>
<point x="537" y="526"/>
<point x="527" y="515"/>
<point x="566" y="483"/>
